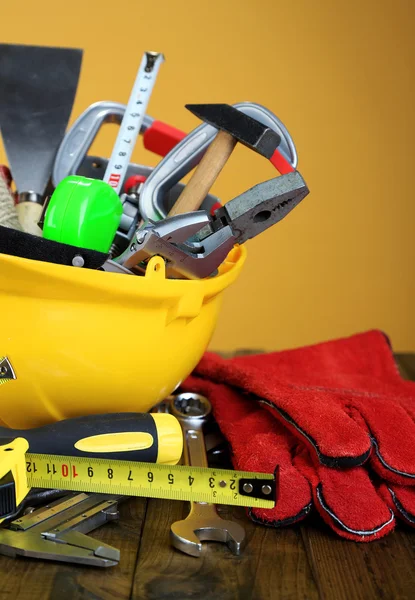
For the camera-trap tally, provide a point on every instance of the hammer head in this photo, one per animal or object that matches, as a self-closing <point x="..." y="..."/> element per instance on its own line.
<point x="245" y="129"/>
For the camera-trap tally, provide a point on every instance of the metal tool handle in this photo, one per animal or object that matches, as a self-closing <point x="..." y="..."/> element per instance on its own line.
<point x="79" y="138"/>
<point x="194" y="446"/>
<point x="188" y="153"/>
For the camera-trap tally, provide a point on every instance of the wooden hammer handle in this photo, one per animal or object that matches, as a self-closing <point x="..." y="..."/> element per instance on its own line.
<point x="205" y="174"/>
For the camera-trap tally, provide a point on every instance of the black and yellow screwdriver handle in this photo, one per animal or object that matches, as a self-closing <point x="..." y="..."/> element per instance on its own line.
<point x="143" y="437"/>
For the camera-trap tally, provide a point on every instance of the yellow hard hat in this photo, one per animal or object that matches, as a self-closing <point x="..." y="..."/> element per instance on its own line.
<point x="82" y="341"/>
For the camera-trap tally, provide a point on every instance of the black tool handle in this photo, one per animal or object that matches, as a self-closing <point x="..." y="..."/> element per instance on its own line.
<point x="94" y="436"/>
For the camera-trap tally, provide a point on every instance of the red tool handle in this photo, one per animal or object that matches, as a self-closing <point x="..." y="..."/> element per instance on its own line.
<point x="281" y="163"/>
<point x="160" y="138"/>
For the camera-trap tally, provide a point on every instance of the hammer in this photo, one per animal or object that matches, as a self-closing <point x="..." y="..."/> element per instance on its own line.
<point x="234" y="126"/>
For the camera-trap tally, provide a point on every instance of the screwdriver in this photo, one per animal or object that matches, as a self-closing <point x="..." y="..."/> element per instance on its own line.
<point x="142" y="437"/>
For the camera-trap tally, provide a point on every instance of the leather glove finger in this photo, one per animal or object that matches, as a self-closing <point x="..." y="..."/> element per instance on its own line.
<point x="347" y="500"/>
<point x="401" y="500"/>
<point x="259" y="443"/>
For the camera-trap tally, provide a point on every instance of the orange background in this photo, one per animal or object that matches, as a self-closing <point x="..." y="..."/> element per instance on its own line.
<point x="340" y="75"/>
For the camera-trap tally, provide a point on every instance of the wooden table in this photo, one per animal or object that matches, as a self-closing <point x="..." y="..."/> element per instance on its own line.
<point x="304" y="561"/>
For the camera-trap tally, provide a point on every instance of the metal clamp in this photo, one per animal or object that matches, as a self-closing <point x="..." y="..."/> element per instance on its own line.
<point x="72" y="157"/>
<point x="80" y="136"/>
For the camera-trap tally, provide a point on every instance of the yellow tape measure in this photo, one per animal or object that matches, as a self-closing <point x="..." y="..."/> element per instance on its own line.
<point x="152" y="480"/>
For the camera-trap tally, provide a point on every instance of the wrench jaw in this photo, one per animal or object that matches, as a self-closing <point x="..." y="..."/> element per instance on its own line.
<point x="186" y="541"/>
<point x="189" y="541"/>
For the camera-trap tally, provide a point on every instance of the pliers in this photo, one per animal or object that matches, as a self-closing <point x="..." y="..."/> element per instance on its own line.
<point x="195" y="244"/>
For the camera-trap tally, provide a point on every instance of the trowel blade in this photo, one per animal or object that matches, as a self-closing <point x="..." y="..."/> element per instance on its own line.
<point x="37" y="90"/>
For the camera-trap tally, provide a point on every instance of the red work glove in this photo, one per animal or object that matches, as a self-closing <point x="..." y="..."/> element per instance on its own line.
<point x="343" y="399"/>
<point x="347" y="499"/>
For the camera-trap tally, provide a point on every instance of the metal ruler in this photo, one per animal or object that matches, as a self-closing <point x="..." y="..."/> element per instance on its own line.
<point x="133" y="119"/>
<point x="152" y="480"/>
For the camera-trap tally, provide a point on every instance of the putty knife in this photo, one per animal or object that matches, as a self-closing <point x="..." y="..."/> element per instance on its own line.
<point x="37" y="90"/>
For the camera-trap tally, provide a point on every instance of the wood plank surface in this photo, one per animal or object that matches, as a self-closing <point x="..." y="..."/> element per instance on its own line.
<point x="363" y="571"/>
<point x="274" y="563"/>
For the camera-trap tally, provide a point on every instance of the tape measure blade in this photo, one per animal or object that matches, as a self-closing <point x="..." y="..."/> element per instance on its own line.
<point x="150" y="480"/>
<point x="133" y="119"/>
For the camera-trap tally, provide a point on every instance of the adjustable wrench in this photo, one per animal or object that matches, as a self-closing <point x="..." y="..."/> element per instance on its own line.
<point x="167" y="239"/>
<point x="203" y="522"/>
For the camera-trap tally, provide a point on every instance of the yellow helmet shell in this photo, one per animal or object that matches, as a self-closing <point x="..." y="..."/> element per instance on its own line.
<point x="82" y="341"/>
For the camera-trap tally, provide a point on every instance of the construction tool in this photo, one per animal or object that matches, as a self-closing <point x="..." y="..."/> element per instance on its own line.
<point x="187" y="154"/>
<point x="158" y="137"/>
<point x="38" y="86"/>
<point x="88" y="214"/>
<point x="234" y="126"/>
<point x="124" y="436"/>
<point x="150" y="480"/>
<point x="133" y="119"/>
<point x="57" y="531"/>
<point x="203" y="522"/>
<point x="128" y="436"/>
<point x="195" y="244"/>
